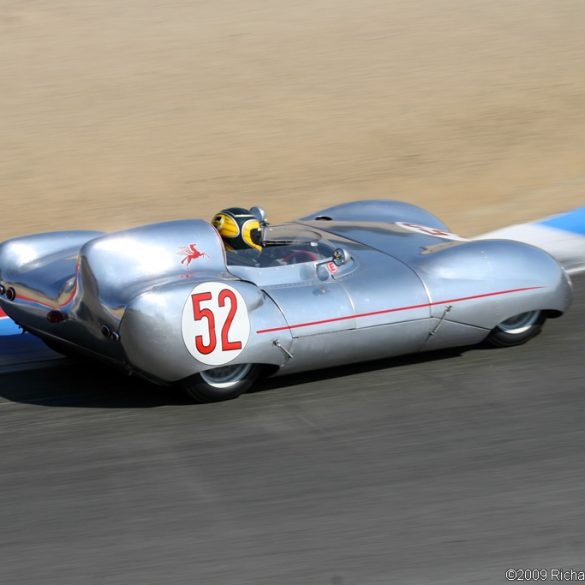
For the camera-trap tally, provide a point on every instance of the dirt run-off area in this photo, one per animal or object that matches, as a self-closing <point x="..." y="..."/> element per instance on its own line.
<point x="114" y="114"/>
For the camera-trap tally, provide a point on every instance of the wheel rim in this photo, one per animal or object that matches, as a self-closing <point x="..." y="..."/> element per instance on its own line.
<point x="226" y="376"/>
<point x="520" y="323"/>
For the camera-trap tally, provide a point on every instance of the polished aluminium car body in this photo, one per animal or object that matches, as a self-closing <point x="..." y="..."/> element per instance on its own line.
<point x="354" y="282"/>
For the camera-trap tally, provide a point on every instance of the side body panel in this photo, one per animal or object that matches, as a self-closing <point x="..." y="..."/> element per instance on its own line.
<point x="372" y="307"/>
<point x="356" y="345"/>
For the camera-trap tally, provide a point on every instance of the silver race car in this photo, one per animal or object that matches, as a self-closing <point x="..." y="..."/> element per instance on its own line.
<point x="355" y="282"/>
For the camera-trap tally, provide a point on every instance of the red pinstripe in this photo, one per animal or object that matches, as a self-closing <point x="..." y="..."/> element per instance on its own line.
<point x="48" y="305"/>
<point x="397" y="309"/>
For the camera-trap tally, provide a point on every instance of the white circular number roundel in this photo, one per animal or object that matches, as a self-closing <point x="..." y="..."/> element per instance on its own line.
<point x="216" y="325"/>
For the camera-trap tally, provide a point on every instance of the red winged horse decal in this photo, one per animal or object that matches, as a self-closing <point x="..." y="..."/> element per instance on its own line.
<point x="190" y="253"/>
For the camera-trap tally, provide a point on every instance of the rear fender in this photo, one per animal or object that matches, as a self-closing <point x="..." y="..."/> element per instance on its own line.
<point x="118" y="267"/>
<point x="157" y="339"/>
<point x="40" y="266"/>
<point x="41" y="269"/>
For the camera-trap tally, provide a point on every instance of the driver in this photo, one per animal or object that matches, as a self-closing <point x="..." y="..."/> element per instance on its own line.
<point x="241" y="232"/>
<point x="239" y="229"/>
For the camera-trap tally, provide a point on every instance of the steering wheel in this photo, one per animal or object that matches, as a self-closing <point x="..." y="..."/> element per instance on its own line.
<point x="300" y="256"/>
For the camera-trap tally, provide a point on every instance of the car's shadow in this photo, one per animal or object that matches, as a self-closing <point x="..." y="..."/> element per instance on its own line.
<point x="81" y="384"/>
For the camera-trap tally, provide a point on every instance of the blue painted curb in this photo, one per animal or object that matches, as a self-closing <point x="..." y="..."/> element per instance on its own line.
<point x="9" y="327"/>
<point x="573" y="221"/>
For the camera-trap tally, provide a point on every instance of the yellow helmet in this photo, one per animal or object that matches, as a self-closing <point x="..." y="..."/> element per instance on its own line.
<point x="238" y="228"/>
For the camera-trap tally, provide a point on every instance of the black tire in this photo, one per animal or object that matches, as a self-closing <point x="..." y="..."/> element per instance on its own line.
<point x="517" y="330"/>
<point x="222" y="383"/>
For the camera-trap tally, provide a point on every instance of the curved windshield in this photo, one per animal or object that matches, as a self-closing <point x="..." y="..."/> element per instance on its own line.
<point x="283" y="245"/>
<point x="287" y="234"/>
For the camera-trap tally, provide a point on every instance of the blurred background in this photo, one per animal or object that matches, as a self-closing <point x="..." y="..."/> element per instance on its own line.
<point x="118" y="113"/>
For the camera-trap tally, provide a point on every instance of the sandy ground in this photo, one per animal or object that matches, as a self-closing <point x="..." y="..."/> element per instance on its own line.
<point x="119" y="113"/>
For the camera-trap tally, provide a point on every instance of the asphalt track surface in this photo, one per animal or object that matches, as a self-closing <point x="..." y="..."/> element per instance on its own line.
<point x="443" y="469"/>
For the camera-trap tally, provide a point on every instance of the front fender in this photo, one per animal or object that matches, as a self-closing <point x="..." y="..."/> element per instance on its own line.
<point x="386" y="210"/>
<point x="486" y="282"/>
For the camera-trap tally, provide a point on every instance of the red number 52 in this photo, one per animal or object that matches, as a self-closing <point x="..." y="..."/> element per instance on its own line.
<point x="225" y="296"/>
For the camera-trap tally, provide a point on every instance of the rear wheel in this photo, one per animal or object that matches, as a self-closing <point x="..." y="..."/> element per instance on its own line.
<point x="517" y="330"/>
<point x="223" y="383"/>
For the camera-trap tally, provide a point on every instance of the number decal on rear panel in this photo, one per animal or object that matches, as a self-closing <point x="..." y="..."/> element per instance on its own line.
<point x="216" y="325"/>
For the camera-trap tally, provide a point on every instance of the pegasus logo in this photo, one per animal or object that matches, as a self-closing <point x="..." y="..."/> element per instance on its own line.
<point x="190" y="253"/>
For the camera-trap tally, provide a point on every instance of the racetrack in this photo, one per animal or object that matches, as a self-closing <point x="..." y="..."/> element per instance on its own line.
<point x="442" y="469"/>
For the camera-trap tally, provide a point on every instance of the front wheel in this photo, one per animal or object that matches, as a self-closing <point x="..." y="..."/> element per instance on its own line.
<point x="517" y="330"/>
<point x="223" y="383"/>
